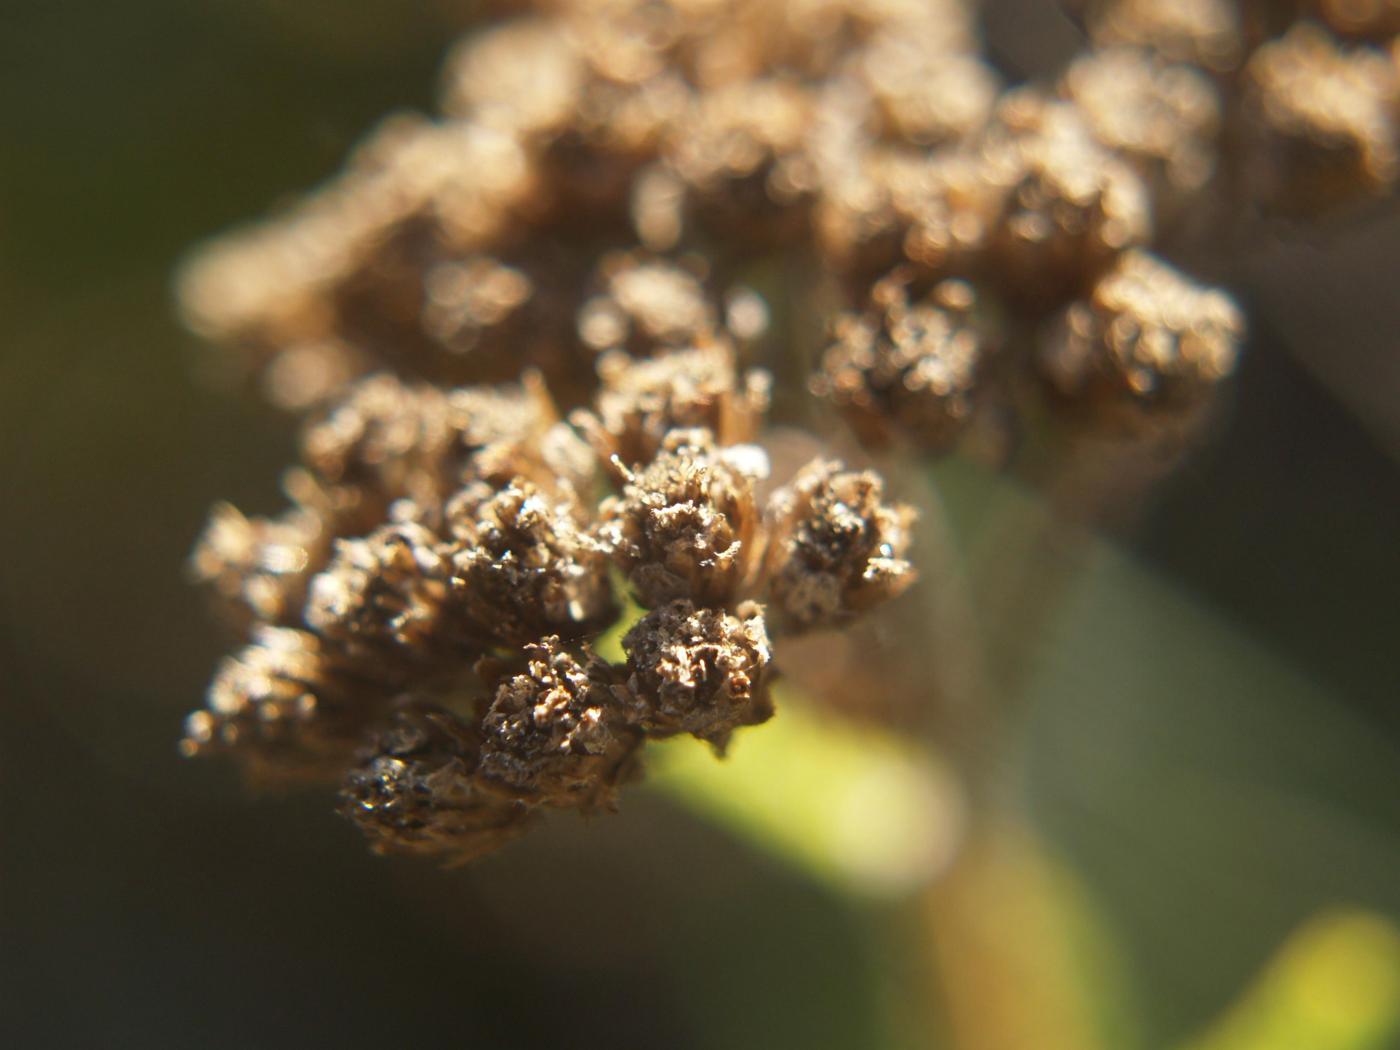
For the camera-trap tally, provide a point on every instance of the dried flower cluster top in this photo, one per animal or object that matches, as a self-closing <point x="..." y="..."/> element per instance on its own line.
<point x="521" y="336"/>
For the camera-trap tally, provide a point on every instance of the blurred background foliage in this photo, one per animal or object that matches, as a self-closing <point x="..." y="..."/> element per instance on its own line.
<point x="1196" y="841"/>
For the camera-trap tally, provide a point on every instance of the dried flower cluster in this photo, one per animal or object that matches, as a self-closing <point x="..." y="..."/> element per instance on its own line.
<point x="449" y="556"/>
<point x="518" y="333"/>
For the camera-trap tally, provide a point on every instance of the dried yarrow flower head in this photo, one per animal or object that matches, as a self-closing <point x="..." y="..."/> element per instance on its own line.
<point x="640" y="402"/>
<point x="645" y="306"/>
<point x="686" y="525"/>
<point x="907" y="370"/>
<point x="1205" y="33"/>
<point x="704" y="671"/>
<point x="522" y="567"/>
<point x="1147" y="339"/>
<point x="413" y="789"/>
<point x="1162" y="117"/>
<point x="1370" y="19"/>
<point x="1324" y="127"/>
<point x="381" y="593"/>
<point x="535" y="339"/>
<point x="466" y="552"/>
<point x="561" y="730"/>
<point x="836" y="549"/>
<point x="1070" y="206"/>
<point x="289" y="704"/>
<point x="388" y="449"/>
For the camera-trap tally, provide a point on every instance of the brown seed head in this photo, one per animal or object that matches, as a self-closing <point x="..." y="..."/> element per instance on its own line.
<point x="1201" y="32"/>
<point x="686" y="525"/>
<point x="1162" y="117"/>
<point x="522" y="568"/>
<point x="1069" y="208"/>
<point x="383" y="594"/>
<point x="642" y="401"/>
<point x="925" y="96"/>
<point x="335" y="287"/>
<point x="646" y="306"/>
<point x="950" y="209"/>
<point x="740" y="153"/>
<point x="1373" y="19"/>
<point x="389" y="438"/>
<point x="413" y="792"/>
<point x="699" y="671"/>
<point x="1323" y="122"/>
<point x="835" y="548"/>
<point x="258" y="568"/>
<point x="557" y="734"/>
<point x="287" y="705"/>
<point x="906" y="369"/>
<point x="524" y="77"/>
<point x="1147" y="338"/>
